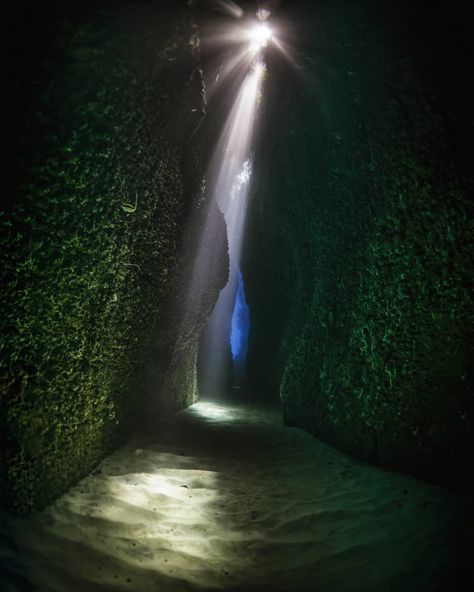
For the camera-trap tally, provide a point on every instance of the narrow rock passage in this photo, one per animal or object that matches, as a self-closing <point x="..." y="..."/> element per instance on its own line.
<point x="226" y="497"/>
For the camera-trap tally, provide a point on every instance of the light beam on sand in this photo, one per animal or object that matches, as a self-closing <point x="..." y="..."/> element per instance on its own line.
<point x="224" y="497"/>
<point x="214" y="411"/>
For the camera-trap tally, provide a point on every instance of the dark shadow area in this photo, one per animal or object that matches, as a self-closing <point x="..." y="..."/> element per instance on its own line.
<point x="358" y="241"/>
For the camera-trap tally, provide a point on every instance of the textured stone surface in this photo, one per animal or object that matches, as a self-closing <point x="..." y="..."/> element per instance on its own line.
<point x="98" y="330"/>
<point x="359" y="258"/>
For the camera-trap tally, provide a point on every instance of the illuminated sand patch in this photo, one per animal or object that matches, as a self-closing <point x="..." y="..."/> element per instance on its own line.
<point x="224" y="497"/>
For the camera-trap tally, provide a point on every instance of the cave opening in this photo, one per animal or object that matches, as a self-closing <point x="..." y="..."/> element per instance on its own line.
<point x="236" y="86"/>
<point x="239" y="334"/>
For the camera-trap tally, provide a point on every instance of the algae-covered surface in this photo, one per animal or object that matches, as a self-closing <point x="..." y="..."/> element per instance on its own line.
<point x="360" y="244"/>
<point x="110" y="170"/>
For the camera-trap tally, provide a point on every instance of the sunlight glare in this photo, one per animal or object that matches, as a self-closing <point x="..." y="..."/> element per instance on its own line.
<point x="259" y="36"/>
<point x="229" y="181"/>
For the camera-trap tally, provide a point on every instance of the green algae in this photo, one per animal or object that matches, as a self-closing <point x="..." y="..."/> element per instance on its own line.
<point x="362" y="200"/>
<point x="92" y="246"/>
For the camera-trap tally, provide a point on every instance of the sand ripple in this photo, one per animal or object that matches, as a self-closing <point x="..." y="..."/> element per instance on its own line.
<point x="223" y="497"/>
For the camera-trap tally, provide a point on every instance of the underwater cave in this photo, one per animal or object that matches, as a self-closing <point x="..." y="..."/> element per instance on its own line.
<point x="237" y="304"/>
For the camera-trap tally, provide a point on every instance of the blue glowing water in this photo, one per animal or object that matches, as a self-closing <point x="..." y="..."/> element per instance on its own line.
<point x="240" y="324"/>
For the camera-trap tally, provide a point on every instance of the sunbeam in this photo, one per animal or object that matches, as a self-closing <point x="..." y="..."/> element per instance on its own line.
<point x="229" y="177"/>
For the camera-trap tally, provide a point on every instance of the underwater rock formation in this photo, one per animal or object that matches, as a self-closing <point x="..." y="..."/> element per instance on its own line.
<point x="96" y="258"/>
<point x="359" y="255"/>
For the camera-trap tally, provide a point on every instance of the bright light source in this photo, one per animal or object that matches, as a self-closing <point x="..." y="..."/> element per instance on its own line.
<point x="260" y="35"/>
<point x="229" y="181"/>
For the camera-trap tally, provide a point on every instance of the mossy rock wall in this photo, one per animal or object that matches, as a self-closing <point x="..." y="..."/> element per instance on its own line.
<point x="361" y="265"/>
<point x="94" y="247"/>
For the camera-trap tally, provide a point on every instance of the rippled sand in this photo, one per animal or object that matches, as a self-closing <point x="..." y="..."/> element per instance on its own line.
<point x="224" y="497"/>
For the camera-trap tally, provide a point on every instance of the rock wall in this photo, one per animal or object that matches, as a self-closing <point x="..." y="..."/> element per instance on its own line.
<point x="97" y="245"/>
<point x="360" y="246"/>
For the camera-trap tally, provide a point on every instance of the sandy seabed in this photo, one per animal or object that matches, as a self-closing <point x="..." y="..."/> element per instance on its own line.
<point x="224" y="497"/>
